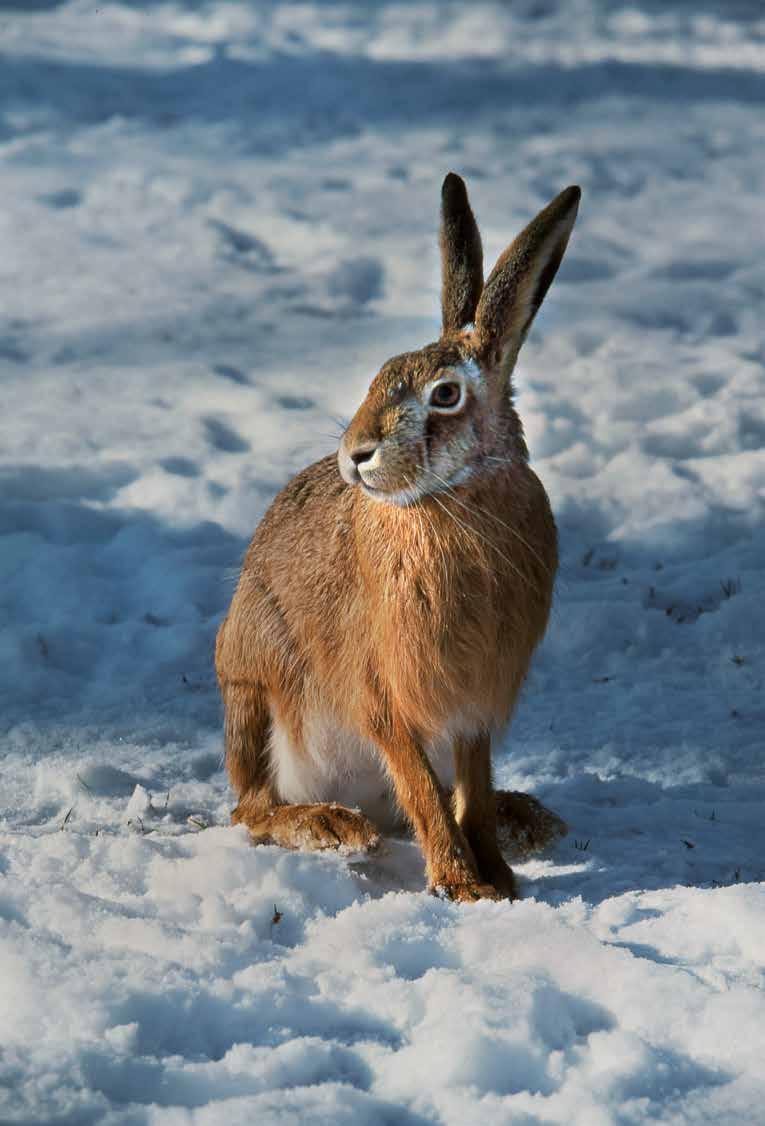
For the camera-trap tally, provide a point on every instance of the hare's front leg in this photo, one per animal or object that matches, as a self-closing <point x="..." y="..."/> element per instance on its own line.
<point x="314" y="825"/>
<point x="475" y="811"/>
<point x="450" y="864"/>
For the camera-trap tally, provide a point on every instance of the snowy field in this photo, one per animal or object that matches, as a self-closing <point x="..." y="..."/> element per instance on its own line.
<point x="217" y="219"/>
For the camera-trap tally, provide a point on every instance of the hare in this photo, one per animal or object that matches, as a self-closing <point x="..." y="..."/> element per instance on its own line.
<point x="393" y="594"/>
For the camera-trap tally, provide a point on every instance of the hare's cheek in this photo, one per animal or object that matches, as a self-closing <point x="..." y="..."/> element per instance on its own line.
<point x="451" y="442"/>
<point x="401" y="453"/>
<point x="403" y="465"/>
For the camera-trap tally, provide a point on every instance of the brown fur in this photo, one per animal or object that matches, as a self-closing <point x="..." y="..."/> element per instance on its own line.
<point x="405" y="623"/>
<point x="517" y="285"/>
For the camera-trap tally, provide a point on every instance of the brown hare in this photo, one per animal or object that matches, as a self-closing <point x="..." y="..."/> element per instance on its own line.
<point x="392" y="597"/>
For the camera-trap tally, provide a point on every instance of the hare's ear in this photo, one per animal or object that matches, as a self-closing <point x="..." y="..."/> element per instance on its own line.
<point x="518" y="283"/>
<point x="461" y="257"/>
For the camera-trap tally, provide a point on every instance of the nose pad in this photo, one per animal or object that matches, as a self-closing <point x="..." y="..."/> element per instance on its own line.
<point x="362" y="453"/>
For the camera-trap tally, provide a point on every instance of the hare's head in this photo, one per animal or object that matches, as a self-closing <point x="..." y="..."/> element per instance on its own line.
<point x="435" y="418"/>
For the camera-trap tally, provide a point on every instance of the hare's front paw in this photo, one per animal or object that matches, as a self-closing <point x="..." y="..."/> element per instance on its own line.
<point x="467" y="892"/>
<point x="317" y="826"/>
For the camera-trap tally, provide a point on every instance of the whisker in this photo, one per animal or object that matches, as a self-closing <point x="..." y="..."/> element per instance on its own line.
<point x="471" y="533"/>
<point x="415" y="507"/>
<point x="437" y="538"/>
<point x="425" y="515"/>
<point x="485" y="512"/>
<point x="455" y="498"/>
<point x="230" y="576"/>
<point x="480" y="536"/>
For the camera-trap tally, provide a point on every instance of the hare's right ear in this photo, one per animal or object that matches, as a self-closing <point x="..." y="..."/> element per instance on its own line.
<point x="461" y="257"/>
<point x="518" y="283"/>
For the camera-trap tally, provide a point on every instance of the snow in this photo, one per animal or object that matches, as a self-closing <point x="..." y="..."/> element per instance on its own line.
<point x="218" y="219"/>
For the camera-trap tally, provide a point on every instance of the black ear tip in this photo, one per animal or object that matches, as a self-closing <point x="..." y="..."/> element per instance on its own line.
<point x="453" y="191"/>
<point x="572" y="195"/>
<point x="565" y="205"/>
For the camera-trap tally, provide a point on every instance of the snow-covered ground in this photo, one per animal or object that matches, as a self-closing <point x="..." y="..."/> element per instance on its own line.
<point x="217" y="219"/>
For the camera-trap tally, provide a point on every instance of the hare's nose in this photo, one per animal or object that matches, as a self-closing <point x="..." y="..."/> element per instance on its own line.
<point x="362" y="453"/>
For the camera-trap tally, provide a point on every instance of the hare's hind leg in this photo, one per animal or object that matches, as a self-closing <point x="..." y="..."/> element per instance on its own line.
<point x="305" y="825"/>
<point x="313" y="826"/>
<point x="475" y="811"/>
<point x="524" y="825"/>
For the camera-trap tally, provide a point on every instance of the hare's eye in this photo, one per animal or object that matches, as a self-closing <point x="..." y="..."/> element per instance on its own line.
<point x="445" y="395"/>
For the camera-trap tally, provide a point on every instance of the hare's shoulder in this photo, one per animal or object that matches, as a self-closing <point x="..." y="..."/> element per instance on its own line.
<point x="318" y="483"/>
<point x="307" y="508"/>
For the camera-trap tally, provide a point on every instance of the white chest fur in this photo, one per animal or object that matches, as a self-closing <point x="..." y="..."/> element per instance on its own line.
<point x="337" y="765"/>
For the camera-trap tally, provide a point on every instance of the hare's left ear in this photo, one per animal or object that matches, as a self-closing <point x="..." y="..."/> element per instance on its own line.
<point x="518" y="283"/>
<point x="461" y="257"/>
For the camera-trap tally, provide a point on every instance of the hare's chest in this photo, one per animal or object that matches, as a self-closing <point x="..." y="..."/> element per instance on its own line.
<point x="438" y="649"/>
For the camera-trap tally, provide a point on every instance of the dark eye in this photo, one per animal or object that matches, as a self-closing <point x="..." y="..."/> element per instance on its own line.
<point x="445" y="395"/>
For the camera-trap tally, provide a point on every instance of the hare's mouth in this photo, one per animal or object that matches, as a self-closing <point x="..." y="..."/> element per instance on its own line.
<point x="400" y="497"/>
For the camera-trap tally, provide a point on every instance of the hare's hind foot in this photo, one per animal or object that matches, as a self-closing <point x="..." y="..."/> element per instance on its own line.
<point x="524" y="825"/>
<point x="310" y="827"/>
